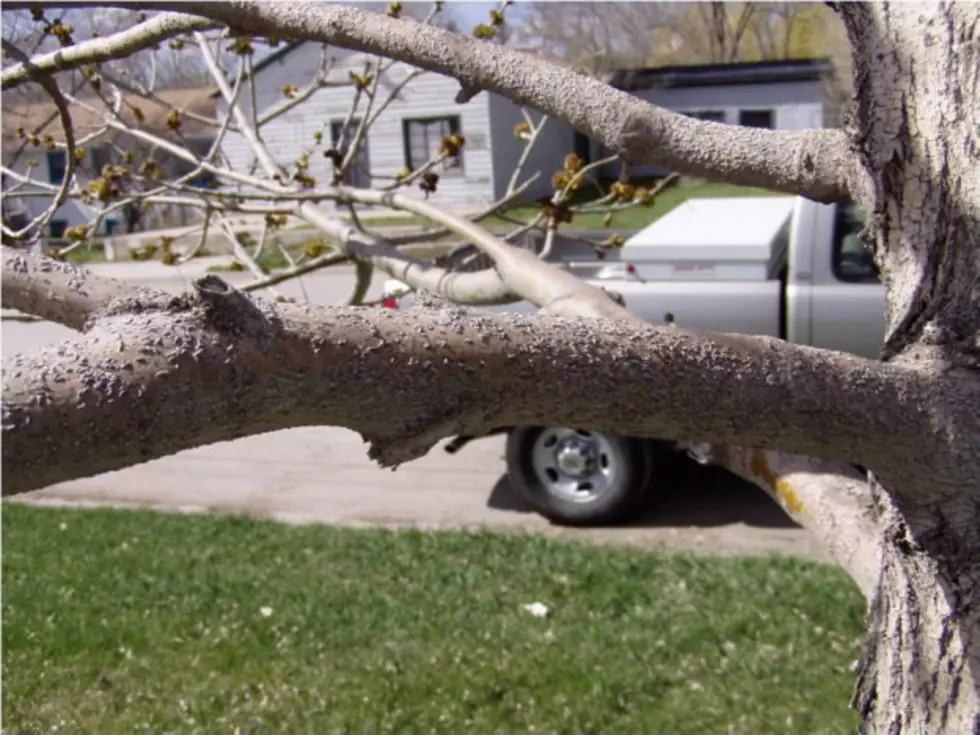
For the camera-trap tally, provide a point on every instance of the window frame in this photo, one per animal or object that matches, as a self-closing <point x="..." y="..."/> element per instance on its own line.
<point x="707" y="114"/>
<point x="59" y="225"/>
<point x="49" y="157"/>
<point x="757" y="111"/>
<point x="454" y="166"/>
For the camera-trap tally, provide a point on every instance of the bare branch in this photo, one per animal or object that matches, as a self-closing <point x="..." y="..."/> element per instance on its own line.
<point x="116" y="46"/>
<point x="57" y="292"/>
<point x="522" y="272"/>
<point x="50" y="86"/>
<point x="495" y="208"/>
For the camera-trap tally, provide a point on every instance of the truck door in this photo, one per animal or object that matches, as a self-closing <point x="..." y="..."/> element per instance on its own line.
<point x="847" y="309"/>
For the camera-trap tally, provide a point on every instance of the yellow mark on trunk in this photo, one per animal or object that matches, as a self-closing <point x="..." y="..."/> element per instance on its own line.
<point x="789" y="497"/>
<point x="783" y="489"/>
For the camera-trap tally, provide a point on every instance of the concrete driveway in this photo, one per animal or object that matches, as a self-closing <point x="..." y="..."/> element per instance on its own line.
<point x="323" y="475"/>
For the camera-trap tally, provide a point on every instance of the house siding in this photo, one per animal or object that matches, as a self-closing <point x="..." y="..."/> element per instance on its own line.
<point x="795" y="106"/>
<point x="487" y="122"/>
<point x="428" y="96"/>
<point x="556" y="140"/>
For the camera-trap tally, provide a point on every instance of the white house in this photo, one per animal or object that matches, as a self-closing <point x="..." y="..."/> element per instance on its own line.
<point x="406" y="133"/>
<point x="783" y="95"/>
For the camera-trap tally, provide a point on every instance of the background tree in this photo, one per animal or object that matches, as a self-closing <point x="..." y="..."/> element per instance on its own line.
<point x="600" y="36"/>
<point x="150" y="374"/>
<point x="606" y="36"/>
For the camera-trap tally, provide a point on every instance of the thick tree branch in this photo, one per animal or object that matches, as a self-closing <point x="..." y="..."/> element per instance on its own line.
<point x="58" y="292"/>
<point x="815" y="163"/>
<point x="527" y="276"/>
<point x="259" y="366"/>
<point x="928" y="251"/>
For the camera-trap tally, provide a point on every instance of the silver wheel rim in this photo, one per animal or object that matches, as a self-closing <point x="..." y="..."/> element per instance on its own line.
<point x="576" y="465"/>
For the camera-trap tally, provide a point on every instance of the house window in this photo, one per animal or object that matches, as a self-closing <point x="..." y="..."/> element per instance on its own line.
<point x="204" y="180"/>
<point x="709" y="115"/>
<point x="422" y="139"/>
<point x="357" y="175"/>
<point x="756" y="118"/>
<point x="57" y="164"/>
<point x="57" y="227"/>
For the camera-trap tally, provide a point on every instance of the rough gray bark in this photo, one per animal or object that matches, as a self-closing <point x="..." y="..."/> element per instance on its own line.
<point x="916" y="128"/>
<point x="148" y="369"/>
<point x="218" y="366"/>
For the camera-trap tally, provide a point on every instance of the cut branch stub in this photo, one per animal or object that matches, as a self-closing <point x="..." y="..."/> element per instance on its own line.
<point x="231" y="311"/>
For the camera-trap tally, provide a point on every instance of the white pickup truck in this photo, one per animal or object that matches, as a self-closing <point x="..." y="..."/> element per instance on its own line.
<point x="778" y="266"/>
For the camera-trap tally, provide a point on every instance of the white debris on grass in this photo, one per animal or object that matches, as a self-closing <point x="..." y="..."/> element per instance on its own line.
<point x="537" y="609"/>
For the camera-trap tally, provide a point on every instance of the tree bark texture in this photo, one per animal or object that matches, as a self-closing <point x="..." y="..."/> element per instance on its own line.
<point x="153" y="374"/>
<point x="916" y="130"/>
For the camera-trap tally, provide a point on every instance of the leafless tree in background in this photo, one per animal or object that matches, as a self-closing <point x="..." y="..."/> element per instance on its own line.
<point x="607" y="36"/>
<point x="599" y="36"/>
<point x="150" y="374"/>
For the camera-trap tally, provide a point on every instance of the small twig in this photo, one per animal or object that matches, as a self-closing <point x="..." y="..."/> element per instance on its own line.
<point x="292" y="266"/>
<point x="240" y="253"/>
<point x="322" y="261"/>
<point x="272" y="168"/>
<point x="536" y="131"/>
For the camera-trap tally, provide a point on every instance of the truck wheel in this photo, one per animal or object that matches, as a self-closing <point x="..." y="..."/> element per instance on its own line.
<point x="578" y="478"/>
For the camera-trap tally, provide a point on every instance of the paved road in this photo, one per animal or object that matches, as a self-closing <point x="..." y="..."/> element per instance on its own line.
<point x="323" y="474"/>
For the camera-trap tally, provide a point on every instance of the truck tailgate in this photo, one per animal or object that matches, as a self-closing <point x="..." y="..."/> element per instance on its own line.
<point x="747" y="307"/>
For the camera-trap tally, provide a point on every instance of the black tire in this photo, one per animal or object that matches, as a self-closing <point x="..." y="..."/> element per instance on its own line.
<point x="615" y="503"/>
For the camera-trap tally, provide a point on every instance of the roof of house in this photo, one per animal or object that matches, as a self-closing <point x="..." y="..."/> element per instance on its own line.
<point x="665" y="77"/>
<point x="720" y="75"/>
<point x="85" y="121"/>
<point x="286" y="48"/>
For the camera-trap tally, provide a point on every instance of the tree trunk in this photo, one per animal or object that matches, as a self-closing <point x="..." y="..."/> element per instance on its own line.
<point x="915" y="127"/>
<point x="920" y="670"/>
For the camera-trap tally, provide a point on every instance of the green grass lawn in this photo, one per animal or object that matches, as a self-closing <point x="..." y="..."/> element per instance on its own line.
<point x="123" y="621"/>
<point x="631" y="219"/>
<point x="86" y="254"/>
<point x="640" y="217"/>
